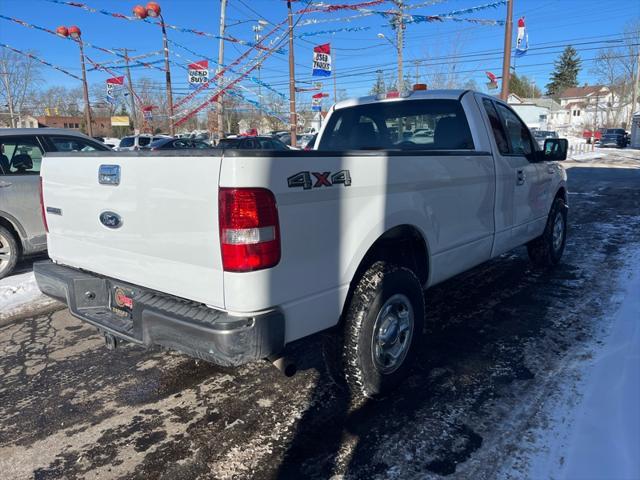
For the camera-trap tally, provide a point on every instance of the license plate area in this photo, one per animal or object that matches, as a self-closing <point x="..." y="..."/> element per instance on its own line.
<point x="121" y="301"/>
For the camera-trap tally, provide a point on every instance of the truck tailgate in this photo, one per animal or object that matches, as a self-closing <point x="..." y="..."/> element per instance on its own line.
<point x="167" y="206"/>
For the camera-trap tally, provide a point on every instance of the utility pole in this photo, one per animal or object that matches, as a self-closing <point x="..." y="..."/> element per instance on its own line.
<point x="416" y="63"/>
<point x="165" y="46"/>
<point x="506" y="56"/>
<point x="134" y="115"/>
<point x="5" y="76"/>
<point x="333" y="72"/>
<point x="292" y="81"/>
<point x="400" y="44"/>
<point x="219" y="107"/>
<point x="634" y="99"/>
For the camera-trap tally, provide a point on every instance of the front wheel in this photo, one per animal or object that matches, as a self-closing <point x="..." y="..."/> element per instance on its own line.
<point x="547" y="249"/>
<point x="383" y="324"/>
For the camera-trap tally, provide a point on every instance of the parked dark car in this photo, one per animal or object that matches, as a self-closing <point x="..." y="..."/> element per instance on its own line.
<point x="614" y="137"/>
<point x="253" y="143"/>
<point x="176" y="144"/>
<point x="21" y="149"/>
<point x="542" y="135"/>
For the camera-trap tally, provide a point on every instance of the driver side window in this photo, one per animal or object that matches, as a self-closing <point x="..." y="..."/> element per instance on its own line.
<point x="517" y="133"/>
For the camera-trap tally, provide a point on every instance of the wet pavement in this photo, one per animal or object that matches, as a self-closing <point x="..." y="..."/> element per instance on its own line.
<point x="495" y="352"/>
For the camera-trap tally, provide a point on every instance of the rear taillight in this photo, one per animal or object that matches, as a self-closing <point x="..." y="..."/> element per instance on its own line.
<point x="42" y="210"/>
<point x="249" y="229"/>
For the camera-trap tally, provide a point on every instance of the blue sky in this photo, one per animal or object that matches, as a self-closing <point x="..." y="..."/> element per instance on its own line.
<point x="552" y="24"/>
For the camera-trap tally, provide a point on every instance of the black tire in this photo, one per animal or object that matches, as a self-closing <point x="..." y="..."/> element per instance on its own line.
<point x="546" y="250"/>
<point x="9" y="252"/>
<point x="370" y="370"/>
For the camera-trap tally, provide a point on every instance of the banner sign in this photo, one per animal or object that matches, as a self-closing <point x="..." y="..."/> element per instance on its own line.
<point x="198" y="73"/>
<point x="120" y="121"/>
<point x="114" y="85"/>
<point x="322" y="60"/>
<point x="147" y="113"/>
<point x="522" y="42"/>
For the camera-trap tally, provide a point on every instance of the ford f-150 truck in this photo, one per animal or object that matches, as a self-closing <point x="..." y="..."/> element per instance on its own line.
<point x="230" y="255"/>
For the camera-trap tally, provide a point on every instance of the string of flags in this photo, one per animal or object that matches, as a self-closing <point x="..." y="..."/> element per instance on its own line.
<point x="215" y="62"/>
<point x="121" y="16"/>
<point x="85" y="43"/>
<point x="40" y="60"/>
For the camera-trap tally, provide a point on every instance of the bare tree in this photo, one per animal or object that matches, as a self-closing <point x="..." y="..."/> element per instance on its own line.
<point x="20" y="77"/>
<point x="615" y="68"/>
<point x="442" y="65"/>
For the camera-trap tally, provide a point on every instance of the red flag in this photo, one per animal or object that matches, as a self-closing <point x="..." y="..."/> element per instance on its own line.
<point x="116" y="80"/>
<point x="325" y="48"/>
<point x="201" y="65"/>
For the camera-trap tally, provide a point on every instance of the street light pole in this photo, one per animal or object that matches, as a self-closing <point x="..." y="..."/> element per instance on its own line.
<point x="506" y="58"/>
<point x="76" y="34"/>
<point x="153" y="10"/>
<point x="85" y="90"/>
<point x="292" y="81"/>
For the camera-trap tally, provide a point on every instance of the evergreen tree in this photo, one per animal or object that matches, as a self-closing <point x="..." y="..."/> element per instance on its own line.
<point x="566" y="72"/>
<point x="378" y="87"/>
<point x="523" y="87"/>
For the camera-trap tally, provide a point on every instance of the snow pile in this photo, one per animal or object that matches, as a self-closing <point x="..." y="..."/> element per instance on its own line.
<point x="20" y="296"/>
<point x="600" y="436"/>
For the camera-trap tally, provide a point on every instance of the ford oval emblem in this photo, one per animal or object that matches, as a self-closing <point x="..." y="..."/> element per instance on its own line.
<point x="110" y="220"/>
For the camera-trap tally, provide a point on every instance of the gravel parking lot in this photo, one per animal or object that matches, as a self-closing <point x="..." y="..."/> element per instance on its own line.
<point x="504" y="345"/>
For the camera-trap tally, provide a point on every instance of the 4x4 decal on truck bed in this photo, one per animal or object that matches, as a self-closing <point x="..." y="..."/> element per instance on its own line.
<point x="322" y="179"/>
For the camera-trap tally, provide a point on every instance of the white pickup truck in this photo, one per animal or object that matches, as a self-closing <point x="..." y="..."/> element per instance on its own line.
<point x="231" y="255"/>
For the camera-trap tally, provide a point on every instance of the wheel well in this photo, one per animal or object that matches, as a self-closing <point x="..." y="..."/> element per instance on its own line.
<point x="9" y="226"/>
<point x="403" y="245"/>
<point x="562" y="193"/>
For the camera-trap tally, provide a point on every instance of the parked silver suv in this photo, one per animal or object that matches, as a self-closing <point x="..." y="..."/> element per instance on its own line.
<point x="21" y="149"/>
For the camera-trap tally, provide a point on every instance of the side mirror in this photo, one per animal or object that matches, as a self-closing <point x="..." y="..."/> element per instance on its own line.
<point x="555" y="149"/>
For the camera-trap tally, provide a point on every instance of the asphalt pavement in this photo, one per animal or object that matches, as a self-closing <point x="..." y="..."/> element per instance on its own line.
<point x="497" y="341"/>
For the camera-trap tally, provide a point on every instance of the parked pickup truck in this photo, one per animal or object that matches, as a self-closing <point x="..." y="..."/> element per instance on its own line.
<point x="230" y="256"/>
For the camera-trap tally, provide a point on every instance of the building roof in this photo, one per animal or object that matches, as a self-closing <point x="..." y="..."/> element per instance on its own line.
<point x="579" y="92"/>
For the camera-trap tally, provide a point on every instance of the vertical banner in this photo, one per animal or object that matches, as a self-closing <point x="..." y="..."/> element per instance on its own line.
<point x="522" y="42"/>
<point x="322" y="60"/>
<point x="114" y="86"/>
<point x="198" y="73"/>
<point x="147" y="113"/>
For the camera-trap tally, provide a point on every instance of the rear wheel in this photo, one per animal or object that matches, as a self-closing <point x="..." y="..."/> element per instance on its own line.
<point x="8" y="252"/>
<point x="383" y="324"/>
<point x="547" y="249"/>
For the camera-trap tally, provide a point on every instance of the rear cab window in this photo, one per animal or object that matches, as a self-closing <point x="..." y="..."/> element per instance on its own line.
<point x="437" y="124"/>
<point x="20" y="155"/>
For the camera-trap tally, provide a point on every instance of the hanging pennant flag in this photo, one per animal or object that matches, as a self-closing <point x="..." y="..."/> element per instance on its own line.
<point x="147" y="112"/>
<point x="522" y="42"/>
<point x="113" y="88"/>
<point x="198" y="73"/>
<point x="322" y="60"/>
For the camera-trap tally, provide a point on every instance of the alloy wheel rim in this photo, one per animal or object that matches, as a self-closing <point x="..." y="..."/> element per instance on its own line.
<point x="392" y="333"/>
<point x="558" y="231"/>
<point x="5" y="252"/>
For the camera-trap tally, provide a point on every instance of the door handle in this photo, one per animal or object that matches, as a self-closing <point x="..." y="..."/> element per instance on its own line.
<point x="5" y="184"/>
<point x="520" y="177"/>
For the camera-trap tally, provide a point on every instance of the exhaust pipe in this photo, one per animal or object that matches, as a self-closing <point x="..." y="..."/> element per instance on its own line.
<point x="285" y="364"/>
